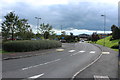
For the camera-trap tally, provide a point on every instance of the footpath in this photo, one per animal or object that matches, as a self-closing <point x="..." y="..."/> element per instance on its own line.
<point x="106" y="68"/>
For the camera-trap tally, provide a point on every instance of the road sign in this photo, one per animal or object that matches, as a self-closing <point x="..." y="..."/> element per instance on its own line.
<point x="63" y="37"/>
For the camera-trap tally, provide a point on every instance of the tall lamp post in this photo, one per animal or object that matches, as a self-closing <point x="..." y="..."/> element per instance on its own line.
<point x="37" y="22"/>
<point x="61" y="29"/>
<point x="104" y="27"/>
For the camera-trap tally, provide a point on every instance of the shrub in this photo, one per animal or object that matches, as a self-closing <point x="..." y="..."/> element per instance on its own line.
<point x="28" y="45"/>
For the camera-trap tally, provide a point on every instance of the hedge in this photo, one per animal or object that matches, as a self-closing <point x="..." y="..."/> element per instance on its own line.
<point x="30" y="45"/>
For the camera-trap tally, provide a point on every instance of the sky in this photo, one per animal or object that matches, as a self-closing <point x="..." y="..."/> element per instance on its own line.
<point x="76" y="16"/>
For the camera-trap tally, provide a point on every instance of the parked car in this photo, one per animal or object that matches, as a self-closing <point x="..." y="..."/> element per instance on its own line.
<point x="11" y="39"/>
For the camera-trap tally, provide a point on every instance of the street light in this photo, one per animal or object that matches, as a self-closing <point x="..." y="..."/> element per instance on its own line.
<point x="61" y="29"/>
<point x="104" y="27"/>
<point x="37" y="22"/>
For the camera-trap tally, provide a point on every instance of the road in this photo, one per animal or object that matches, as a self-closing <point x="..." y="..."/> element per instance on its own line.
<point x="63" y="64"/>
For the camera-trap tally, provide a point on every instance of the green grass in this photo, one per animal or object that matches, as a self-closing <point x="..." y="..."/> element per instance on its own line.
<point x="108" y="43"/>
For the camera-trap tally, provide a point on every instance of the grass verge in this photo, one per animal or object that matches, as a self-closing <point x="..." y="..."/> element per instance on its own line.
<point x="108" y="43"/>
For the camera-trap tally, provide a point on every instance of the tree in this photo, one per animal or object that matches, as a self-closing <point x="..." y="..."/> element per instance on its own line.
<point x="15" y="27"/>
<point x="95" y="37"/>
<point x="63" y="33"/>
<point x="23" y="29"/>
<point x="46" y="35"/>
<point x="115" y="32"/>
<point x="70" y="38"/>
<point x="45" y="30"/>
<point x="53" y="35"/>
<point x="9" y="25"/>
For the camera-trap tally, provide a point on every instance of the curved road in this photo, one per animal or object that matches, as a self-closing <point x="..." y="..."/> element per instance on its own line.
<point x="63" y="64"/>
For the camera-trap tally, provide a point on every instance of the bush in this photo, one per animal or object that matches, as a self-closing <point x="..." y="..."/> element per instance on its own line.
<point x="28" y="45"/>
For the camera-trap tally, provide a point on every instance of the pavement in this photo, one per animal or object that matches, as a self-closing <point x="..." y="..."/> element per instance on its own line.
<point x="71" y="62"/>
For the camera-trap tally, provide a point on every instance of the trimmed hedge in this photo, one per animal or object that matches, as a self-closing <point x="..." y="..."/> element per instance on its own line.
<point x="29" y="45"/>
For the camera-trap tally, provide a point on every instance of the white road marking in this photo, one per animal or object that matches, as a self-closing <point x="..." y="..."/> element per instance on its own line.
<point x="85" y="67"/>
<point x="74" y="54"/>
<point x="71" y="51"/>
<point x="77" y="53"/>
<point x="59" y="50"/>
<point x="36" y="76"/>
<point x="40" y="64"/>
<point x="96" y="77"/>
<point x="82" y="51"/>
<point x="92" y="51"/>
<point x="105" y="52"/>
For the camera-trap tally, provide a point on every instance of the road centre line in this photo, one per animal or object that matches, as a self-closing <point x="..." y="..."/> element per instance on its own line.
<point x="77" y="53"/>
<point x="36" y="76"/>
<point x="82" y="51"/>
<point x="40" y="64"/>
<point x="92" y="51"/>
<point x="71" y="51"/>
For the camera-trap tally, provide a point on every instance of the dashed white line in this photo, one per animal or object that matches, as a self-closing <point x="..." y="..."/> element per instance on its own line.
<point x="92" y="51"/>
<point x="71" y="51"/>
<point x="40" y="64"/>
<point x="82" y="51"/>
<point x="36" y="76"/>
<point x="74" y="54"/>
<point x="77" y="53"/>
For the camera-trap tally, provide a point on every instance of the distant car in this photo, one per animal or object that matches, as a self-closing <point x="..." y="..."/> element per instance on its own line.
<point x="33" y="39"/>
<point x="63" y="40"/>
<point x="82" y="41"/>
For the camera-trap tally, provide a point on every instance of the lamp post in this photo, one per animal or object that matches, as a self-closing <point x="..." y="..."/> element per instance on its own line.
<point x="61" y="29"/>
<point x="104" y="27"/>
<point x="37" y="22"/>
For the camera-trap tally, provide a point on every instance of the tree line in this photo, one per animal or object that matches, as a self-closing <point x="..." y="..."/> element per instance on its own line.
<point x="115" y="34"/>
<point x="14" y="27"/>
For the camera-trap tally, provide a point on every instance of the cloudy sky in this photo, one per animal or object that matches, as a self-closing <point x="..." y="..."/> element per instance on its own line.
<point x="77" y="16"/>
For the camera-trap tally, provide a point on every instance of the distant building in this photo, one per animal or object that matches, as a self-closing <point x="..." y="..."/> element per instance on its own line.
<point x="101" y="36"/>
<point x="83" y="36"/>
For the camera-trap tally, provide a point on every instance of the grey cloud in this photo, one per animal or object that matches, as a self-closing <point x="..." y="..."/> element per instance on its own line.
<point x="81" y="16"/>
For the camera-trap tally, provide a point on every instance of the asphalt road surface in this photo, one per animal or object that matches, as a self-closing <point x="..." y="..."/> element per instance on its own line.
<point x="63" y="64"/>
